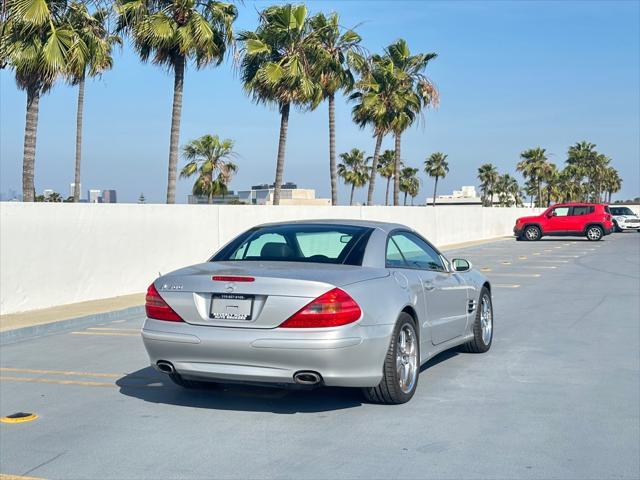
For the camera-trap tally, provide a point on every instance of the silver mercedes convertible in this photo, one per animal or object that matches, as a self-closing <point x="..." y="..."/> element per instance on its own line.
<point x="336" y="302"/>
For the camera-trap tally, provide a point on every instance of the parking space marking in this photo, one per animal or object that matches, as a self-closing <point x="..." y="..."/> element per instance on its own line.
<point x="536" y="260"/>
<point x="532" y="275"/>
<point x="505" y="285"/>
<point x="545" y="267"/>
<point x="485" y="269"/>
<point x="60" y="372"/>
<point x="506" y="263"/>
<point x="115" y="334"/>
<point x="115" y="329"/>
<point x="6" y="476"/>
<point x="59" y="382"/>
<point x="522" y="257"/>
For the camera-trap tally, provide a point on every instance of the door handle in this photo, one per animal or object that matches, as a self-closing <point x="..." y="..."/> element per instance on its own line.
<point x="428" y="286"/>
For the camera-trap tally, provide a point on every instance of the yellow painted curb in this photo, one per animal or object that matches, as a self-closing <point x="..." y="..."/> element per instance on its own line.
<point x="12" y="419"/>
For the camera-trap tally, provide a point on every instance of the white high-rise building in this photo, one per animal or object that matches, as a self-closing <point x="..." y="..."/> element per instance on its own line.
<point x="94" y="196"/>
<point x="72" y="189"/>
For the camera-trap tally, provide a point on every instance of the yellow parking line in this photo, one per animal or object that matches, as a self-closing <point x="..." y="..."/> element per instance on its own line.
<point x="6" y="476"/>
<point x="60" y="372"/>
<point x="522" y="257"/>
<point x="505" y="285"/>
<point x="485" y="269"/>
<point x="537" y="253"/>
<point x="118" y="321"/>
<point x="108" y="333"/>
<point x="506" y="263"/>
<point x="549" y="261"/>
<point x="59" y="382"/>
<point x="533" y="275"/>
<point x="545" y="267"/>
<point x="115" y="329"/>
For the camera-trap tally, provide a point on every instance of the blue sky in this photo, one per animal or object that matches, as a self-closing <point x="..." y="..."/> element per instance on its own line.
<point x="512" y="75"/>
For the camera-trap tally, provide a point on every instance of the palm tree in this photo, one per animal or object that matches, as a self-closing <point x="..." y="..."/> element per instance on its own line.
<point x="171" y="33"/>
<point x="386" y="167"/>
<point x="333" y="74"/>
<point x="532" y="166"/>
<point x="612" y="183"/>
<point x="91" y="56"/>
<point x="409" y="183"/>
<point x="551" y="176"/>
<point x="35" y="42"/>
<point x="508" y="191"/>
<point x="354" y="170"/>
<point x="374" y="97"/>
<point x="436" y="166"/>
<point x="488" y="176"/>
<point x="278" y="68"/>
<point x="208" y="157"/>
<point x="414" y="92"/>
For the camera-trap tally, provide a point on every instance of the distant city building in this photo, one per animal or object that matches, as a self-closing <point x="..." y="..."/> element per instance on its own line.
<point x="290" y="194"/>
<point x="230" y="197"/>
<point x="94" y="196"/>
<point x="109" y="196"/>
<point x="47" y="193"/>
<point x="141" y="198"/>
<point x="72" y="189"/>
<point x="467" y="195"/>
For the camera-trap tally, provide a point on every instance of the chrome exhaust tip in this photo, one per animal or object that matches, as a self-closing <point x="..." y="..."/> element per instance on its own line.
<point x="307" y="378"/>
<point x="165" y="366"/>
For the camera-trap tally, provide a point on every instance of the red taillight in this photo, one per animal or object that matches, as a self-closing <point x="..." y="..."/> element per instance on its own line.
<point x="230" y="278"/>
<point x="330" y="309"/>
<point x="608" y="217"/>
<point x="157" y="308"/>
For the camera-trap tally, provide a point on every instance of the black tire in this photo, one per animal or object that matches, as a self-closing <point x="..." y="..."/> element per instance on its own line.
<point x="532" y="233"/>
<point x="594" y="233"/>
<point x="388" y="390"/>
<point x="478" y="343"/>
<point x="190" y="384"/>
<point x="616" y="228"/>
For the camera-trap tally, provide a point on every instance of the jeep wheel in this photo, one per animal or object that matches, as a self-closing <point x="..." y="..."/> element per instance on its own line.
<point x="595" y="233"/>
<point x="532" y="233"/>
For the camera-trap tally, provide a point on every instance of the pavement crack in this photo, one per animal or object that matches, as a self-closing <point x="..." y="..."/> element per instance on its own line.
<point x="55" y="457"/>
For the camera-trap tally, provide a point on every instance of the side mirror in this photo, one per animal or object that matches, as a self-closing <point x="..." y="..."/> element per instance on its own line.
<point x="460" y="265"/>
<point x="552" y="213"/>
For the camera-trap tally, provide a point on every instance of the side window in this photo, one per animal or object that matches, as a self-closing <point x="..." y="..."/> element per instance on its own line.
<point x="561" y="211"/>
<point x="394" y="257"/>
<point x="416" y="252"/>
<point x="582" y="210"/>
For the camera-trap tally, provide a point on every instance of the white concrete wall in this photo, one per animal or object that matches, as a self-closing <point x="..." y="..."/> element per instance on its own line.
<point x="55" y="254"/>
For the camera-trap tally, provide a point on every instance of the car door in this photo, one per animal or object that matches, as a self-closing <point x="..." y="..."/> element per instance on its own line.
<point x="578" y="217"/>
<point x="558" y="220"/>
<point x="445" y="299"/>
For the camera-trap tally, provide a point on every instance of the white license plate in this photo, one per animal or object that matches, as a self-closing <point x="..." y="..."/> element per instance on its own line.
<point x="229" y="306"/>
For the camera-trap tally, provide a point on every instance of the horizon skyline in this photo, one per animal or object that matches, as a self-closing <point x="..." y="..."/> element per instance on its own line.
<point x="504" y="111"/>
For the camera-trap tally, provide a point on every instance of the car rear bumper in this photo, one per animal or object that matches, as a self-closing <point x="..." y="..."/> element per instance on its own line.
<point x="349" y="356"/>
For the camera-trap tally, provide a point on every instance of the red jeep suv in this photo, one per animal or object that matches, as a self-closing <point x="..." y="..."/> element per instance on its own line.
<point x="592" y="220"/>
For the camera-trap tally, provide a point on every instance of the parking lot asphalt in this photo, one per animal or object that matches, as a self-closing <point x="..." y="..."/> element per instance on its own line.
<point x="557" y="396"/>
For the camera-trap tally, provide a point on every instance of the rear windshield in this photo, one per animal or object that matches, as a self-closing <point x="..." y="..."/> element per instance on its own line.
<point x="621" y="211"/>
<point x="339" y="244"/>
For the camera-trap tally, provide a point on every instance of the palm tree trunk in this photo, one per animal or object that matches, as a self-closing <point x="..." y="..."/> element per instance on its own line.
<point x="386" y="195"/>
<point x="29" y="156"/>
<point x="210" y="199"/>
<point x="435" y="188"/>
<point x="79" y="114"/>
<point x="374" y="169"/>
<point x="282" y="143"/>
<point x="353" y="187"/>
<point x="396" y="172"/>
<point x="412" y="201"/>
<point x="178" y="85"/>
<point x="333" y="172"/>
<point x="405" y="199"/>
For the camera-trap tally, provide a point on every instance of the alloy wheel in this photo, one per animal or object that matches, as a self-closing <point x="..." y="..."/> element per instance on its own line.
<point x="407" y="358"/>
<point x="486" y="319"/>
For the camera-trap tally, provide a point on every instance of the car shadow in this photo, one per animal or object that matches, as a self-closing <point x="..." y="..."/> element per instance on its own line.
<point x="564" y="239"/>
<point x="151" y="386"/>
<point x="441" y="357"/>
